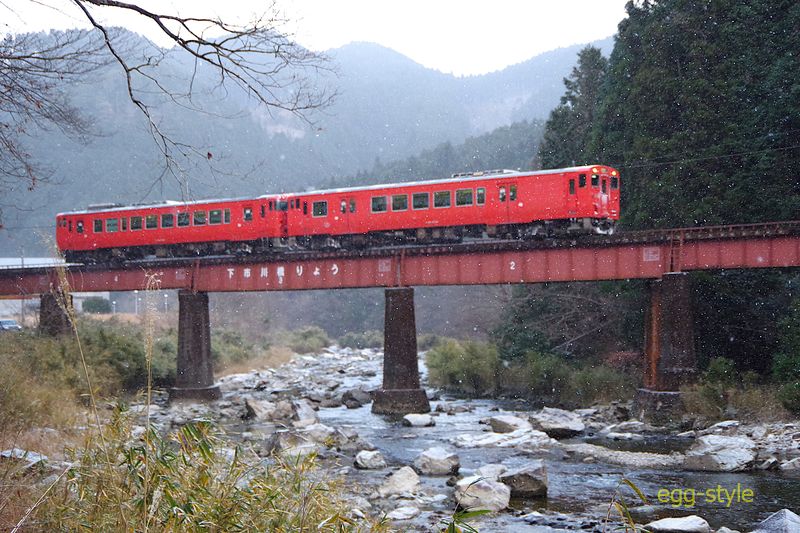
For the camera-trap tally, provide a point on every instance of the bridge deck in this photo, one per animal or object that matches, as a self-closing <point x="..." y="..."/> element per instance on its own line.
<point x="645" y="254"/>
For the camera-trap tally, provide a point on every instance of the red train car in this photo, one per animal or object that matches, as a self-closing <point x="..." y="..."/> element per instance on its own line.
<point x="501" y="204"/>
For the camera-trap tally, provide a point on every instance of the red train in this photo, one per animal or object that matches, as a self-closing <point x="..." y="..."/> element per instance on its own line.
<point x="500" y="204"/>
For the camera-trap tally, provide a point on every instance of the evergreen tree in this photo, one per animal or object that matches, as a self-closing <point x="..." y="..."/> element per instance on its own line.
<point x="570" y="124"/>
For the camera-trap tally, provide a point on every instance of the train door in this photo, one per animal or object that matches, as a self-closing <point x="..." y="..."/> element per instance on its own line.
<point x="283" y="217"/>
<point x="507" y="197"/>
<point x="345" y="209"/>
<point x="604" y="192"/>
<point x="572" y="197"/>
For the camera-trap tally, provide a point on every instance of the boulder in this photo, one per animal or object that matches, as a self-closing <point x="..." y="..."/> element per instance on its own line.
<point x="629" y="426"/>
<point x="793" y="465"/>
<point x="403" y="513"/>
<point x="508" y="423"/>
<point x="321" y="433"/>
<point x="22" y="459"/>
<point x="402" y="481"/>
<point x="684" y="524"/>
<point x="720" y="453"/>
<point x="355" y="398"/>
<point x="290" y="444"/>
<point x="491" y="471"/>
<point x="558" y="423"/>
<point x="475" y="493"/>
<point x="304" y="414"/>
<point x="437" y="462"/>
<point x="528" y="481"/>
<point x="783" y="521"/>
<point x="418" y="420"/>
<point x="267" y="411"/>
<point x="522" y="439"/>
<point x="369" y="460"/>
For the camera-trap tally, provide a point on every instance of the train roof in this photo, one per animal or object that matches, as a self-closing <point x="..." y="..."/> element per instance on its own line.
<point x="455" y="178"/>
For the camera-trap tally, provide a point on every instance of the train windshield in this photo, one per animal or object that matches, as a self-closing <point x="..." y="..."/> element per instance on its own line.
<point x="283" y="206"/>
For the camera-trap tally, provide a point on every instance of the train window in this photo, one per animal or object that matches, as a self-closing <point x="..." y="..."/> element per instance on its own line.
<point x="215" y="216"/>
<point x="420" y="200"/>
<point x="112" y="225"/>
<point x="503" y="193"/>
<point x="480" y="196"/>
<point x="379" y="204"/>
<point x="572" y="186"/>
<point x="151" y="222"/>
<point x="319" y="209"/>
<point x="343" y="206"/>
<point x="247" y="214"/>
<point x="605" y="186"/>
<point x="352" y="205"/>
<point x="305" y="208"/>
<point x="399" y="202"/>
<point x="270" y="205"/>
<point x="167" y="220"/>
<point x="615" y="182"/>
<point x="283" y="206"/>
<point x="70" y="226"/>
<point x="199" y="217"/>
<point x="512" y="193"/>
<point x="125" y="224"/>
<point x="581" y="180"/>
<point x="136" y="223"/>
<point x="228" y="215"/>
<point x="183" y="219"/>
<point x="463" y="197"/>
<point x="291" y="204"/>
<point x="441" y="199"/>
<point x="595" y="181"/>
<point x="79" y="226"/>
<point x="263" y="211"/>
<point x="98" y="225"/>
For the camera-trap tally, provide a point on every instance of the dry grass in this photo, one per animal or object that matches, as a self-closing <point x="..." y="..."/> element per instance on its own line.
<point x="271" y="358"/>
<point x="751" y="403"/>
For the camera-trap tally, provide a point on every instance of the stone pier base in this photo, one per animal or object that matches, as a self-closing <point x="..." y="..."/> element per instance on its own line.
<point x="195" y="376"/>
<point x="662" y="408"/>
<point x="401" y="392"/>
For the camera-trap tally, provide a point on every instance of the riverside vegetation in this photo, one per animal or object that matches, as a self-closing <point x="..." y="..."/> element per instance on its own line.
<point x="115" y="477"/>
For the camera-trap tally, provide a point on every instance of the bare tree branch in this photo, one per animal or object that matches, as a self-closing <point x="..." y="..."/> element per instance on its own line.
<point x="256" y="59"/>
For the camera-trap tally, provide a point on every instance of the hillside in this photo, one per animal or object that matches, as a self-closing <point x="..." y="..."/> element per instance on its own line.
<point x="388" y="108"/>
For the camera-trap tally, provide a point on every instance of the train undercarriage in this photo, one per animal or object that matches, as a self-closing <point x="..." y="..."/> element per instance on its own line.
<point x="420" y="236"/>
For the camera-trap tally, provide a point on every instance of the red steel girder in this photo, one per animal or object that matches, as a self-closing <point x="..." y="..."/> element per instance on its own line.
<point x="612" y="260"/>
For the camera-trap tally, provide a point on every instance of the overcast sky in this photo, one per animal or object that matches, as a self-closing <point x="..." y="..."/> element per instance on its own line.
<point x="462" y="37"/>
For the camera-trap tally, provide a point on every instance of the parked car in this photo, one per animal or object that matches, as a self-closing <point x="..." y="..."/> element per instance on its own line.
<point x="7" y="324"/>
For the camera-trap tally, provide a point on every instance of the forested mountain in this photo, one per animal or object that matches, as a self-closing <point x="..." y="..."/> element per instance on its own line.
<point x="388" y="108"/>
<point x="699" y="107"/>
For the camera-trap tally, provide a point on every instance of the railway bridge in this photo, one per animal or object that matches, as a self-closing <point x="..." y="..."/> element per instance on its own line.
<point x="662" y="256"/>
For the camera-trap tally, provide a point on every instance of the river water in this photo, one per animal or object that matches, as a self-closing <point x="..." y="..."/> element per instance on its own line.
<point x="574" y="486"/>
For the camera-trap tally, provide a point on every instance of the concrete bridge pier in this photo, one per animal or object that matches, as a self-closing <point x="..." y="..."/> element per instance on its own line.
<point x="669" y="349"/>
<point x="53" y="319"/>
<point x="195" y="377"/>
<point x="401" y="392"/>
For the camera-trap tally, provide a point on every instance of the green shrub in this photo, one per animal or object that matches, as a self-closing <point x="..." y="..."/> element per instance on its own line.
<point x="368" y="339"/>
<point x="96" y="304"/>
<point x="465" y="366"/>
<point x="188" y="482"/>
<point x="548" y="376"/>
<point x="789" y="396"/>
<point x="308" y="339"/>
<point x="721" y="371"/>
<point x="600" y="383"/>
<point x="229" y="347"/>
<point x="427" y="341"/>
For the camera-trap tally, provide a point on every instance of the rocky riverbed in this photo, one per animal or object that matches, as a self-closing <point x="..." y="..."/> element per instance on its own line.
<point x="535" y="470"/>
